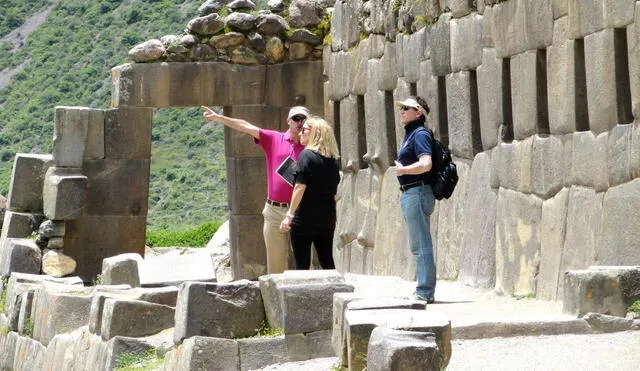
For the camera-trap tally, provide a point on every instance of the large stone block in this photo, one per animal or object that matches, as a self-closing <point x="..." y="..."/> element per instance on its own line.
<point x="413" y="53"/>
<point x="122" y="269"/>
<point x="248" y="253"/>
<point x="301" y="301"/>
<point x="489" y="75"/>
<point x="199" y="352"/>
<point x="241" y="172"/>
<point x="187" y="84"/>
<point x="633" y="47"/>
<point x="367" y="233"/>
<point x="59" y="309"/>
<point x="70" y="129"/>
<point x="134" y="318"/>
<point x="634" y="151"/>
<point x="566" y="97"/>
<point x="448" y="239"/>
<point x="29" y="354"/>
<point x="391" y="349"/>
<point x="439" y="45"/>
<point x="117" y="187"/>
<point x="460" y="8"/>
<point x="19" y="225"/>
<point x="601" y="289"/>
<point x="620" y="216"/>
<point x="357" y="60"/>
<point x="478" y="254"/>
<point x="20" y="255"/>
<point x="463" y="114"/>
<point x="127" y="133"/>
<point x="522" y="25"/>
<point x="466" y="43"/>
<point x="380" y="129"/>
<point x="260" y="352"/>
<point x="339" y="77"/>
<point x="239" y="310"/>
<point x="552" y="230"/>
<point x="602" y="91"/>
<point x="517" y="242"/>
<point x="584" y="225"/>
<point x="64" y="193"/>
<point x="391" y="237"/>
<point x="345" y="32"/>
<point x="619" y="154"/>
<point x="588" y="152"/>
<point x="427" y="89"/>
<point x="547" y="175"/>
<point x="529" y="108"/>
<point x="387" y="69"/>
<point x="107" y="236"/>
<point x="27" y="179"/>
<point x="360" y="323"/>
<point x="589" y="16"/>
<point x="352" y="136"/>
<point x="286" y="84"/>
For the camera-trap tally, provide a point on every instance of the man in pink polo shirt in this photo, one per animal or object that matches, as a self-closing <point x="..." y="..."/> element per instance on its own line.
<point x="281" y="151"/>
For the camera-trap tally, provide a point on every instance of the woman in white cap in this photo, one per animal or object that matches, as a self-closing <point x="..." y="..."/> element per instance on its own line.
<point x="312" y="213"/>
<point x="413" y="170"/>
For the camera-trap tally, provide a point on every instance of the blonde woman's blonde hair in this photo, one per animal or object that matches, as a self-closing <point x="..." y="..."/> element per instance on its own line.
<point x="321" y="137"/>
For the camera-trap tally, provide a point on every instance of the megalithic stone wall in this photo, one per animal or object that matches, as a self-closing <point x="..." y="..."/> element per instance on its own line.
<point x="538" y="100"/>
<point x="259" y="94"/>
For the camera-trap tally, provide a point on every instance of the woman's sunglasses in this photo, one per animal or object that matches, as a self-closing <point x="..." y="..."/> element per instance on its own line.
<point x="406" y="108"/>
<point x="298" y="118"/>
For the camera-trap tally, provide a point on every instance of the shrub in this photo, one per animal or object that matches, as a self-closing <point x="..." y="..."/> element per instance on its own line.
<point x="195" y="237"/>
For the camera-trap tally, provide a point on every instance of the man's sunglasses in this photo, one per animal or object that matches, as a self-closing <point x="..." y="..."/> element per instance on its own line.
<point x="298" y="118"/>
<point x="406" y="108"/>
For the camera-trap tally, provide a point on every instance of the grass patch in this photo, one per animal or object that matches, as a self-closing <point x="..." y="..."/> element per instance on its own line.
<point x="130" y="361"/>
<point x="194" y="237"/>
<point x="3" y="294"/>
<point x="635" y="307"/>
<point x="266" y="331"/>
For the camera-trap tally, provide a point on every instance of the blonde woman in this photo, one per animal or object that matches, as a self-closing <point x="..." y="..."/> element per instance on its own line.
<point x="312" y="214"/>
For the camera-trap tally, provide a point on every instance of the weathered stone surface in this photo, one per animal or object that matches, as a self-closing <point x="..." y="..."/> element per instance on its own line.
<point x="107" y="235"/>
<point x="547" y="176"/>
<point x="162" y="84"/>
<point x="522" y="25"/>
<point x="602" y="92"/>
<point x="345" y="31"/>
<point x="584" y="225"/>
<point x="607" y="323"/>
<point x="449" y="239"/>
<point x="589" y="152"/>
<point x="489" y="75"/>
<point x="27" y="179"/>
<point x="127" y="133"/>
<point x="64" y="193"/>
<point x="439" y="47"/>
<point x="26" y="303"/>
<point x="303" y="81"/>
<point x="620" y="216"/>
<point x="413" y="50"/>
<point x="517" y="242"/>
<point x="57" y="264"/>
<point x="477" y="255"/>
<point x="122" y="269"/>
<point x="301" y="301"/>
<point x="70" y="129"/>
<point x="360" y="323"/>
<point x="340" y="78"/>
<point x="207" y="25"/>
<point x="427" y="88"/>
<point x="59" y="309"/>
<point x="240" y="21"/>
<point x="619" y="154"/>
<point x="248" y="254"/>
<point x="560" y="9"/>
<point x="599" y="290"/>
<point x="30" y="354"/>
<point x="204" y="352"/>
<point x="239" y="310"/>
<point x="352" y="138"/>
<point x="117" y="187"/>
<point x="357" y="62"/>
<point x="521" y="328"/>
<point x="552" y="230"/>
<point x="20" y="255"/>
<point x="466" y="43"/>
<point x="366" y="235"/>
<point x="391" y="349"/>
<point x="387" y="69"/>
<point x="272" y="24"/>
<point x="463" y="114"/>
<point x="633" y="46"/>
<point x="51" y="228"/>
<point x="392" y="244"/>
<point x="19" y="225"/>
<point x="59" y="354"/>
<point x="260" y="352"/>
<point x="524" y="87"/>
<point x="134" y="318"/>
<point x="177" y="265"/>
<point x="634" y="151"/>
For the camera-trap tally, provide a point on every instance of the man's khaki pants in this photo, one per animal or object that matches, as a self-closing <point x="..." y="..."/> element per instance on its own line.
<point x="278" y="243"/>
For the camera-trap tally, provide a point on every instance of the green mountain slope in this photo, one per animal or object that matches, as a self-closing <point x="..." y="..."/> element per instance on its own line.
<point x="67" y="60"/>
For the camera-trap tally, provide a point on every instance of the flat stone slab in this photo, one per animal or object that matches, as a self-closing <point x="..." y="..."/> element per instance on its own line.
<point x="170" y="267"/>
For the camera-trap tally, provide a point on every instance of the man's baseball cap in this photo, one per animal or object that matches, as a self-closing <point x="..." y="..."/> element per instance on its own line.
<point x="410" y="102"/>
<point x="299" y="110"/>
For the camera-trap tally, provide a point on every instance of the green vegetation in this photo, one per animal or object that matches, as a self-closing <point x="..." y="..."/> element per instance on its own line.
<point x="266" y="331"/>
<point x="195" y="237"/>
<point x="28" y="327"/>
<point x="3" y="294"/>
<point x="635" y="307"/>
<point x="67" y="61"/>
<point x="131" y="361"/>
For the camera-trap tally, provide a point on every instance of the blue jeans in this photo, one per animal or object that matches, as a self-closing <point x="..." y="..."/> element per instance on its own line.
<point x="417" y="205"/>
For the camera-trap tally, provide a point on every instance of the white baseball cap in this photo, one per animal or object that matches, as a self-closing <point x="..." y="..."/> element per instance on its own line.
<point x="410" y="102"/>
<point x="299" y="110"/>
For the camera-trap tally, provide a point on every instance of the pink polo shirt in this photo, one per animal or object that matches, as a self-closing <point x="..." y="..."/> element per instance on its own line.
<point x="277" y="147"/>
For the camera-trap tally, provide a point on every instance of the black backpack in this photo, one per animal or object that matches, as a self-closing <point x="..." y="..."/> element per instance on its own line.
<point x="443" y="176"/>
